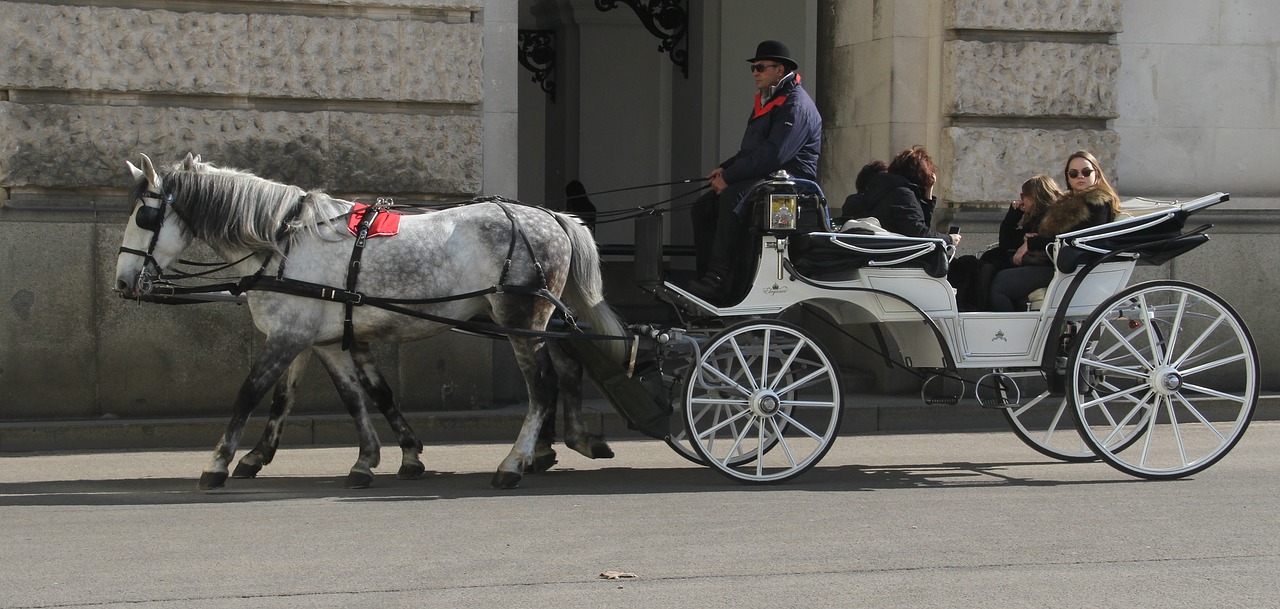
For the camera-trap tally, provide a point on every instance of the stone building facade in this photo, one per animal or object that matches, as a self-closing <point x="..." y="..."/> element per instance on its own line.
<point x="360" y="98"/>
<point x="425" y="100"/>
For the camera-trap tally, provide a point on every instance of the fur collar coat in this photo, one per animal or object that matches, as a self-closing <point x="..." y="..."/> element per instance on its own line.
<point x="1077" y="210"/>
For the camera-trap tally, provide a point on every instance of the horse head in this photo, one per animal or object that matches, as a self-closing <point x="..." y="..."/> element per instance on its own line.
<point x="154" y="237"/>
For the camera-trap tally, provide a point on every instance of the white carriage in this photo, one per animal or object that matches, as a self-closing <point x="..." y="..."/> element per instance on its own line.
<point x="1159" y="379"/>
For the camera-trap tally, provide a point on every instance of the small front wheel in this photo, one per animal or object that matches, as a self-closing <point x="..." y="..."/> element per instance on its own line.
<point x="1169" y="365"/>
<point x="763" y="402"/>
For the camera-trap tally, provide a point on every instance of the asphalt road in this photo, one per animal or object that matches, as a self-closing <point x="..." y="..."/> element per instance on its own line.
<point x="951" y="520"/>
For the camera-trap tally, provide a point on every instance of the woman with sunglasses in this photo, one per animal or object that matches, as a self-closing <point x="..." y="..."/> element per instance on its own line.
<point x="1090" y="201"/>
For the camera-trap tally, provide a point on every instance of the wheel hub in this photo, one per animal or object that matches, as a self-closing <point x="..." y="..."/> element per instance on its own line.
<point x="1166" y="380"/>
<point x="765" y="403"/>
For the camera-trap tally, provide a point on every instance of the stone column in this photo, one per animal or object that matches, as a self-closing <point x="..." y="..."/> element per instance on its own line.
<point x="1022" y="88"/>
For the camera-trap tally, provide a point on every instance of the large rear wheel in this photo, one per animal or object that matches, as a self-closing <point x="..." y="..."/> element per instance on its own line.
<point x="1170" y="366"/>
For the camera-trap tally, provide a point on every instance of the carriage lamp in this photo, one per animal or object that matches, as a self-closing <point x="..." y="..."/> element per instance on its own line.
<point x="784" y="210"/>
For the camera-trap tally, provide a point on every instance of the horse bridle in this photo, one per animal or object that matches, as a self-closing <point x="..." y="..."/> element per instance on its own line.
<point x="149" y="218"/>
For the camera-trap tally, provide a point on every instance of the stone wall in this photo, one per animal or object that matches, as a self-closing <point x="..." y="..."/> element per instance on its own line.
<point x="1023" y="87"/>
<point x="359" y="98"/>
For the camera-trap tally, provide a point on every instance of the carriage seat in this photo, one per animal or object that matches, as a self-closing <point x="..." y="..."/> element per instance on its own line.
<point x="1150" y="234"/>
<point x="863" y="243"/>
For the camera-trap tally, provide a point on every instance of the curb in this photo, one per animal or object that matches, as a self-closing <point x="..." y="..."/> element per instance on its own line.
<point x="864" y="414"/>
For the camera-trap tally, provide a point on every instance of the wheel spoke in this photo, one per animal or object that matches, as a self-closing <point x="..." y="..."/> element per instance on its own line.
<point x="791" y="358"/>
<point x="733" y="384"/>
<point x="1200" y="339"/>
<point x="1177" y="430"/>
<point x="1214" y="364"/>
<point x="1157" y="354"/>
<point x="793" y="422"/>
<point x="1176" y="326"/>
<point x="1123" y="342"/>
<point x="1140" y="374"/>
<point x="803" y="382"/>
<point x="782" y="440"/>
<point x="742" y="360"/>
<point x="1195" y="412"/>
<point x="721" y="424"/>
<point x="1213" y="392"/>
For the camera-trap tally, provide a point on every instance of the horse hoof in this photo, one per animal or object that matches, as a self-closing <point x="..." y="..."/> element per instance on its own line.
<point x="411" y="471"/>
<point x="212" y="480"/>
<point x="505" y="480"/>
<point x="593" y="447"/>
<point x="245" y="470"/>
<point x="359" y="479"/>
<point x="541" y="463"/>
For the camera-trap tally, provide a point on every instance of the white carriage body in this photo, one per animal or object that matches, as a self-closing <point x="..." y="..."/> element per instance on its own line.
<point x="901" y="297"/>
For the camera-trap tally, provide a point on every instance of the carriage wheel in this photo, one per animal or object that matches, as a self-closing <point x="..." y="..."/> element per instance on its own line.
<point x="1171" y="366"/>
<point x="763" y="403"/>
<point x="1045" y="424"/>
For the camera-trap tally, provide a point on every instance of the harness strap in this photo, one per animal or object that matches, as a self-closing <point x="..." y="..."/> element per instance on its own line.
<point x="353" y="270"/>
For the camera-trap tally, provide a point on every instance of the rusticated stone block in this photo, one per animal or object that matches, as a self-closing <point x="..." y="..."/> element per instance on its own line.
<point x="85" y="48"/>
<point x="1097" y="16"/>
<point x="977" y="164"/>
<point x="1031" y="79"/>
<point x="62" y="146"/>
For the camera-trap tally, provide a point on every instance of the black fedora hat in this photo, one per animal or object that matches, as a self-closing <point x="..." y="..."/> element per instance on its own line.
<point x="772" y="49"/>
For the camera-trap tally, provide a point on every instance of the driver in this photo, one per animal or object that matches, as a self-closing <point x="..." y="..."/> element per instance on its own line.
<point x="784" y="131"/>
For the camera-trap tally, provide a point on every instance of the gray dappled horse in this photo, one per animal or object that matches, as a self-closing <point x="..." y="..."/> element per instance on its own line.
<point x="284" y="232"/>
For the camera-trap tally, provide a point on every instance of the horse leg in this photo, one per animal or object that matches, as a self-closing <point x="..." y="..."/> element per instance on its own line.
<point x="265" y="372"/>
<point x="535" y="365"/>
<point x="544" y="454"/>
<point x="281" y="404"/>
<point x="342" y="369"/>
<point x="411" y="467"/>
<point x="569" y="376"/>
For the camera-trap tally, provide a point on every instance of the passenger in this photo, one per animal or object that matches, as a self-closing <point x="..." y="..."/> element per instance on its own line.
<point x="1089" y="201"/>
<point x="855" y="205"/>
<point x="902" y="197"/>
<point x="972" y="275"/>
<point x="784" y="131"/>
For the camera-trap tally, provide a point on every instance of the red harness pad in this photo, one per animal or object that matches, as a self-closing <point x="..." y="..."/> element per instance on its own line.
<point x="385" y="224"/>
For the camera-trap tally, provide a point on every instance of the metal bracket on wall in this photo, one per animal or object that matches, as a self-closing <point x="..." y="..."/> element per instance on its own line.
<point x="667" y="20"/>
<point x="538" y="55"/>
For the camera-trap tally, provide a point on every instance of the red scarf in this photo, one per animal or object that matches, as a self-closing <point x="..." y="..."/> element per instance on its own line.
<point x="763" y="110"/>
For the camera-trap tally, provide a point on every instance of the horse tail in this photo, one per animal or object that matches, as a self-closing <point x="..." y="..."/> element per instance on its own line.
<point x="584" y="290"/>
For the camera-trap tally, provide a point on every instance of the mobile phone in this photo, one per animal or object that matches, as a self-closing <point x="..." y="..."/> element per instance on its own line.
<point x="954" y="230"/>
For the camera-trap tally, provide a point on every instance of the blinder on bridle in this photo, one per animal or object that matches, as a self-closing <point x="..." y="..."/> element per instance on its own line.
<point x="149" y="218"/>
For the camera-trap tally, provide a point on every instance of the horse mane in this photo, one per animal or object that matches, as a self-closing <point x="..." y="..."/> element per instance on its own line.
<point x="237" y="209"/>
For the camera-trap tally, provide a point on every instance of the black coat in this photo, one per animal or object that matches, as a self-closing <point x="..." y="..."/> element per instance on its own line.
<point x="900" y="206"/>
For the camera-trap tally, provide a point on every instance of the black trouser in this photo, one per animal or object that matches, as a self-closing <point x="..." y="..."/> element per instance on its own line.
<point x="717" y="230"/>
<point x="1012" y="286"/>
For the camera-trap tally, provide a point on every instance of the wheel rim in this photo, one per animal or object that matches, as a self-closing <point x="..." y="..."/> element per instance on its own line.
<point x="1173" y="368"/>
<point x="763" y="403"/>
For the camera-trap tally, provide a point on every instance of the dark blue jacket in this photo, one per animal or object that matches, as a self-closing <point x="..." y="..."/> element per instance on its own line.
<point x="785" y="134"/>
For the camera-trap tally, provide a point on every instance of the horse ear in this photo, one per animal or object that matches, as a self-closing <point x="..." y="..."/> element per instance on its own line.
<point x="150" y="171"/>
<point x="189" y="163"/>
<point x="137" y="173"/>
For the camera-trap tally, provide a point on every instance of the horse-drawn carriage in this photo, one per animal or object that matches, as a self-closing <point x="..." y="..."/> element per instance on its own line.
<point x="1159" y="378"/>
